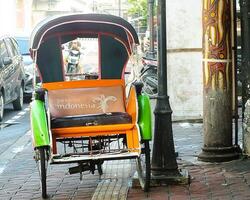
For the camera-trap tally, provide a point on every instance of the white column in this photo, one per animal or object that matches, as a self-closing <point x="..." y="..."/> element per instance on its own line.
<point x="184" y="29"/>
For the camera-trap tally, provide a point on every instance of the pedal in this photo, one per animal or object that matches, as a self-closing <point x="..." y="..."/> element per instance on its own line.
<point x="79" y="169"/>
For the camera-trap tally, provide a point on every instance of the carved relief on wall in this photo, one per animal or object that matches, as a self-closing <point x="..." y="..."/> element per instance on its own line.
<point x="217" y="65"/>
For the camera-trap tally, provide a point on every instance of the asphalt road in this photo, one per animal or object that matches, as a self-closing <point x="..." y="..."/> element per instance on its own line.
<point x="14" y="125"/>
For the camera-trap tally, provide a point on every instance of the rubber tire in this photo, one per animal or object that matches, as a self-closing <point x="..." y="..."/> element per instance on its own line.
<point x="148" y="166"/>
<point x="1" y="102"/>
<point x="144" y="178"/>
<point x="43" y="172"/>
<point x="18" y="103"/>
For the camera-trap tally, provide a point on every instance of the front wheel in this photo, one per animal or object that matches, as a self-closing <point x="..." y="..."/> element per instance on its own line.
<point x="143" y="166"/>
<point x="43" y="170"/>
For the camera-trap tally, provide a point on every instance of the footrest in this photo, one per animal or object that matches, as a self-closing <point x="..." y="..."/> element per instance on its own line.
<point x="82" y="158"/>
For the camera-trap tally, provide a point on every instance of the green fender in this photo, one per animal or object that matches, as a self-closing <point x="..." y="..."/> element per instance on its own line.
<point x="144" y="119"/>
<point x="39" y="125"/>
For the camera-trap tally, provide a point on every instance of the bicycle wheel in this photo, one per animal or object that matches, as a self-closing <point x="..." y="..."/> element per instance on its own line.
<point x="43" y="171"/>
<point x="143" y="166"/>
<point x="150" y="83"/>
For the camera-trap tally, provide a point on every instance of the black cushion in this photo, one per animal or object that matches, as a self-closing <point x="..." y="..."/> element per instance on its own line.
<point x="91" y="120"/>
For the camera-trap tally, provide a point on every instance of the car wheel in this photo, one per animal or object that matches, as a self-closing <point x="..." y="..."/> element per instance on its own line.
<point x="1" y="106"/>
<point x="18" y="103"/>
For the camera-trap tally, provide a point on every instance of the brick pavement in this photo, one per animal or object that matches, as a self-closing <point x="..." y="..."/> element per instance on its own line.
<point x="231" y="180"/>
<point x="208" y="181"/>
<point x="20" y="180"/>
<point x="218" y="181"/>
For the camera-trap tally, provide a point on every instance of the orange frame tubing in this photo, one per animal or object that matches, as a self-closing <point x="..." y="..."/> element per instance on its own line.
<point x="83" y="84"/>
<point x="131" y="130"/>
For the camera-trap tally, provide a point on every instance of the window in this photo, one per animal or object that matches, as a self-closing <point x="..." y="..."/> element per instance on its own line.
<point x="3" y="51"/>
<point x="23" y="43"/>
<point x="10" y="47"/>
<point x="80" y="58"/>
<point x="15" y="46"/>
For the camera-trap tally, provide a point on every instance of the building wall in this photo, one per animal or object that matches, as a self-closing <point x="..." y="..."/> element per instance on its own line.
<point x="7" y="17"/>
<point x="15" y="17"/>
<point x="184" y="43"/>
<point x="23" y="17"/>
<point x="44" y="8"/>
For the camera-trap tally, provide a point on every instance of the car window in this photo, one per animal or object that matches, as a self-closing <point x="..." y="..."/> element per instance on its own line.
<point x="3" y="50"/>
<point x="23" y="44"/>
<point x="10" y="47"/>
<point x="15" y="45"/>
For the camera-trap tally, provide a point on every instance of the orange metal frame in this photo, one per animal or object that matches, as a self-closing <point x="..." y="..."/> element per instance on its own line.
<point x="131" y="130"/>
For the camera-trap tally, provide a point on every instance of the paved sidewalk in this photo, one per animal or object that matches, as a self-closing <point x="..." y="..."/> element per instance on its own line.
<point x="218" y="181"/>
<point x="213" y="181"/>
<point x="20" y="180"/>
<point x="231" y="180"/>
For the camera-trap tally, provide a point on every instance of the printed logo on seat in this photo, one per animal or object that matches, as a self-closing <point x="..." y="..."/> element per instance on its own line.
<point x="86" y="101"/>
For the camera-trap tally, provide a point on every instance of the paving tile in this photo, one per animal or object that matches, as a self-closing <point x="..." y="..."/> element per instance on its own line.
<point x="218" y="181"/>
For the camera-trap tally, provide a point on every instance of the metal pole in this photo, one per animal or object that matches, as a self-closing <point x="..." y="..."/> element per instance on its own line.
<point x="163" y="158"/>
<point x="119" y="7"/>
<point x="93" y="6"/>
<point x="245" y="70"/>
<point x="245" y="51"/>
<point x="217" y="82"/>
<point x="151" y="52"/>
<point x="235" y="44"/>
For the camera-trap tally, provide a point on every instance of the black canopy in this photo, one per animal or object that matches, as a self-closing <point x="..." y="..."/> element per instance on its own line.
<point x="116" y="38"/>
<point x="102" y="23"/>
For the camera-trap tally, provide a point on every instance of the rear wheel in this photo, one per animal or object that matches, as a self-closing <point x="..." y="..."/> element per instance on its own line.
<point x="18" y="103"/>
<point x="43" y="163"/>
<point x="143" y="166"/>
<point x="1" y="106"/>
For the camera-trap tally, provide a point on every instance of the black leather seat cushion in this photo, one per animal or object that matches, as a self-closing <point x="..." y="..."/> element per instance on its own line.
<point x="91" y="120"/>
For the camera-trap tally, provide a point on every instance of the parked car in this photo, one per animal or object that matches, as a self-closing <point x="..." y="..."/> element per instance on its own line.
<point x="11" y="74"/>
<point x="23" y="43"/>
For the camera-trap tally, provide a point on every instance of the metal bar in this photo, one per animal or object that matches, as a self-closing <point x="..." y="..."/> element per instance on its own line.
<point x="109" y="143"/>
<point x="120" y="156"/>
<point x="163" y="159"/>
<point x="151" y="27"/>
<point x="245" y="51"/>
<point x="87" y="138"/>
<point x="82" y="146"/>
<point x="236" y="117"/>
<point x="118" y="143"/>
<point x="64" y="144"/>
